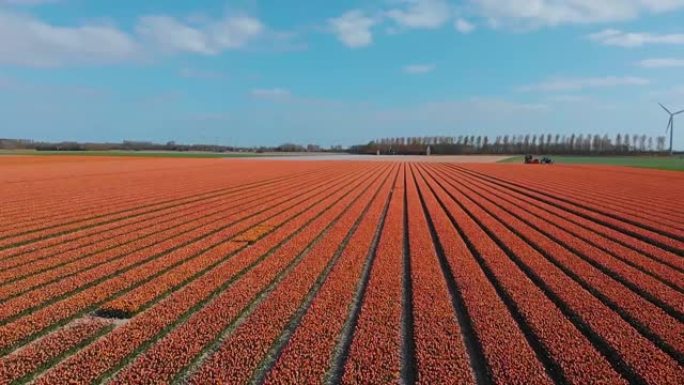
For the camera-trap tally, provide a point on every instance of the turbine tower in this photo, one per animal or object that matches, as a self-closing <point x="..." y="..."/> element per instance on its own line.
<point x="670" y="124"/>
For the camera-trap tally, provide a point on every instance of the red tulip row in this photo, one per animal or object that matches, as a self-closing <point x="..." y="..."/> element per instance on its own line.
<point x="306" y="357"/>
<point x="88" y="222"/>
<point x="488" y="314"/>
<point x="66" y="227"/>
<point x="643" y="210"/>
<point x="439" y="348"/>
<point x="648" y="284"/>
<point x="54" y="247"/>
<point x="375" y="352"/>
<point x="657" y="321"/>
<point x="611" y="184"/>
<point x="154" y="234"/>
<point x="641" y="215"/>
<point x="72" y="191"/>
<point x="45" y="317"/>
<point x="623" y="261"/>
<point x="112" y="260"/>
<point x="616" y="201"/>
<point x="256" y="275"/>
<point x="17" y="365"/>
<point x="101" y="357"/>
<point x="79" y="302"/>
<point x="50" y="286"/>
<point x="136" y="257"/>
<point x="595" y="213"/>
<point x="58" y="255"/>
<point x="239" y="354"/>
<point x="72" y="241"/>
<point x="632" y="246"/>
<point x="69" y="209"/>
<point x="620" y="194"/>
<point x="578" y="360"/>
<point x="641" y="357"/>
<point x="131" y="302"/>
<point x="99" y="256"/>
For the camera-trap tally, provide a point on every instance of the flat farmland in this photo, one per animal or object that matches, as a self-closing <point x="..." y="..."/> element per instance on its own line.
<point x="237" y="271"/>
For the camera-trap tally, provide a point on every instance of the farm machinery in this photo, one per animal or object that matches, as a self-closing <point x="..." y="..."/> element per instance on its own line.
<point x="529" y="159"/>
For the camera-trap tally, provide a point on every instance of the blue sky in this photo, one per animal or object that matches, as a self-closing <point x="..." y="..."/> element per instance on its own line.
<point x="337" y="72"/>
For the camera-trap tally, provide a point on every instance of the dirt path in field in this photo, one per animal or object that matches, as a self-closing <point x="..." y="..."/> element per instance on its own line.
<point x="395" y="158"/>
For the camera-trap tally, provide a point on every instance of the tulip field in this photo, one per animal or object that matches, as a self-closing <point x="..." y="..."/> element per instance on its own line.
<point x="241" y="271"/>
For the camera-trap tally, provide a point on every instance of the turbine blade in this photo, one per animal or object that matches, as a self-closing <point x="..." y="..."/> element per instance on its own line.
<point x="666" y="110"/>
<point x="669" y="125"/>
<point x="678" y="112"/>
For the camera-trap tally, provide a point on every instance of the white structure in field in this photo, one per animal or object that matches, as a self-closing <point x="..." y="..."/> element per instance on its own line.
<point x="670" y="124"/>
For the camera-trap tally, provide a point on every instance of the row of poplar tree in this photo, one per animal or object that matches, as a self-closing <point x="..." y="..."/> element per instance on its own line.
<point x="585" y="144"/>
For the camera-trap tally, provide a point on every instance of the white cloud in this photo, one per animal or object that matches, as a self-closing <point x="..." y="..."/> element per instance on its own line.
<point x="209" y="38"/>
<point x="417" y="14"/>
<point x="464" y="26"/>
<point x="271" y="93"/>
<point x="661" y="63"/>
<point x="25" y="40"/>
<point x="635" y="39"/>
<point x="353" y="28"/>
<point x="28" y="41"/>
<point x="416" y="69"/>
<point x="557" y="12"/>
<point x="172" y="35"/>
<point x="577" y="84"/>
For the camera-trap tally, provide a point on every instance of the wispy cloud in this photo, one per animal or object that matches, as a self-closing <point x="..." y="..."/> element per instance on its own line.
<point x="428" y="14"/>
<point x="577" y="84"/>
<point x="25" y="40"/>
<point x="209" y="38"/>
<point x="29" y="41"/>
<point x="558" y="12"/>
<point x="464" y="26"/>
<point x="353" y="28"/>
<point x="274" y="94"/>
<point x="661" y="63"/>
<point x="417" y="69"/>
<point x="619" y="38"/>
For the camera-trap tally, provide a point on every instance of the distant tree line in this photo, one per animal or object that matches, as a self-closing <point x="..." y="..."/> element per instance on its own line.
<point x="129" y="145"/>
<point x="126" y="145"/>
<point x="575" y="144"/>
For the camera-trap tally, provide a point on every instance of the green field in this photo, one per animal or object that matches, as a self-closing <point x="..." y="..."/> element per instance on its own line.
<point x="145" y="154"/>
<point x="658" y="162"/>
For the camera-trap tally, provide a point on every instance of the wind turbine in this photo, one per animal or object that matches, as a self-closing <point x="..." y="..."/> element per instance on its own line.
<point x="670" y="124"/>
